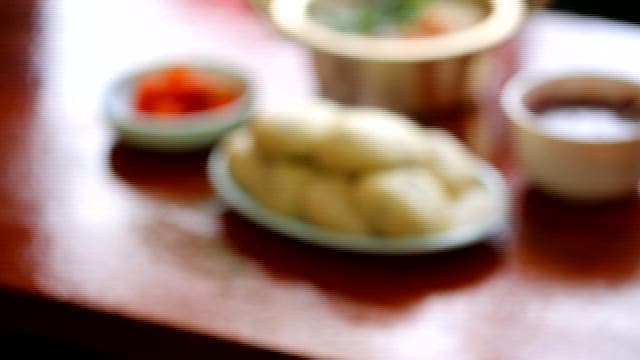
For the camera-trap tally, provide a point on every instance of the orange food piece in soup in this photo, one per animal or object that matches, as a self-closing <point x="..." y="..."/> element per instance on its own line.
<point x="444" y="16"/>
<point x="429" y="26"/>
<point x="181" y="90"/>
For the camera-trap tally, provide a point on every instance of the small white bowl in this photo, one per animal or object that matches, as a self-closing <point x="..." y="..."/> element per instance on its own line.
<point x="236" y="197"/>
<point x="192" y="131"/>
<point x="572" y="168"/>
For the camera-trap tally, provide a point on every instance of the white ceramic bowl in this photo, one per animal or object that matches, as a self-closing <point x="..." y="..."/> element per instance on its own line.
<point x="564" y="165"/>
<point x="192" y="131"/>
<point x="235" y="196"/>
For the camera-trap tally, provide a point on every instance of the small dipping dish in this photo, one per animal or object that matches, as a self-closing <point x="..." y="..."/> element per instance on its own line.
<point x="576" y="135"/>
<point x="178" y="130"/>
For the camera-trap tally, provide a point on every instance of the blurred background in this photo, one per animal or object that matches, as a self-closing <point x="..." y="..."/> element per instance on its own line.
<point x="17" y="28"/>
<point x="614" y="9"/>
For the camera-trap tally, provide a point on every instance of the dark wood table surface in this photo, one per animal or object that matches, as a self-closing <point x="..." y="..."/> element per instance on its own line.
<point x="98" y="228"/>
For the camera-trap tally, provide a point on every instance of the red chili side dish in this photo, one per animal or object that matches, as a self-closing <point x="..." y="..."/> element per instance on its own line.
<point x="182" y="90"/>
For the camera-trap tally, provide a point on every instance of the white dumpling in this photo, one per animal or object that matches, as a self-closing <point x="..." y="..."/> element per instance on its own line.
<point x="246" y="165"/>
<point x="369" y="139"/>
<point x="400" y="202"/>
<point x="473" y="206"/>
<point x="449" y="159"/>
<point x="285" y="184"/>
<point x="328" y="203"/>
<point x="278" y="184"/>
<point x="293" y="131"/>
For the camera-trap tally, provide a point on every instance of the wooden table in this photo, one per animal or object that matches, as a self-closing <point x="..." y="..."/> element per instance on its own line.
<point x="86" y="223"/>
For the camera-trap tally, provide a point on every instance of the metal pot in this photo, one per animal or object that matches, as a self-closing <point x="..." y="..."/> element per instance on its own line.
<point x="411" y="75"/>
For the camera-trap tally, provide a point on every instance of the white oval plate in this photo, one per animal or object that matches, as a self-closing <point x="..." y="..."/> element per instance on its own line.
<point x="195" y="131"/>
<point x="236" y="197"/>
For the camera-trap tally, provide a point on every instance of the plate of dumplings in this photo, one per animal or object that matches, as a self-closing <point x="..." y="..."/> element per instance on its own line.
<point x="358" y="179"/>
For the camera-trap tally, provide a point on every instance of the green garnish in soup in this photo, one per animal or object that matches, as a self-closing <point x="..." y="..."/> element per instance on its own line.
<point x="398" y="17"/>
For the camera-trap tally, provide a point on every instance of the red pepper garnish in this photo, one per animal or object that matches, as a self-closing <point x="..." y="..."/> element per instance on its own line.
<point x="181" y="90"/>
